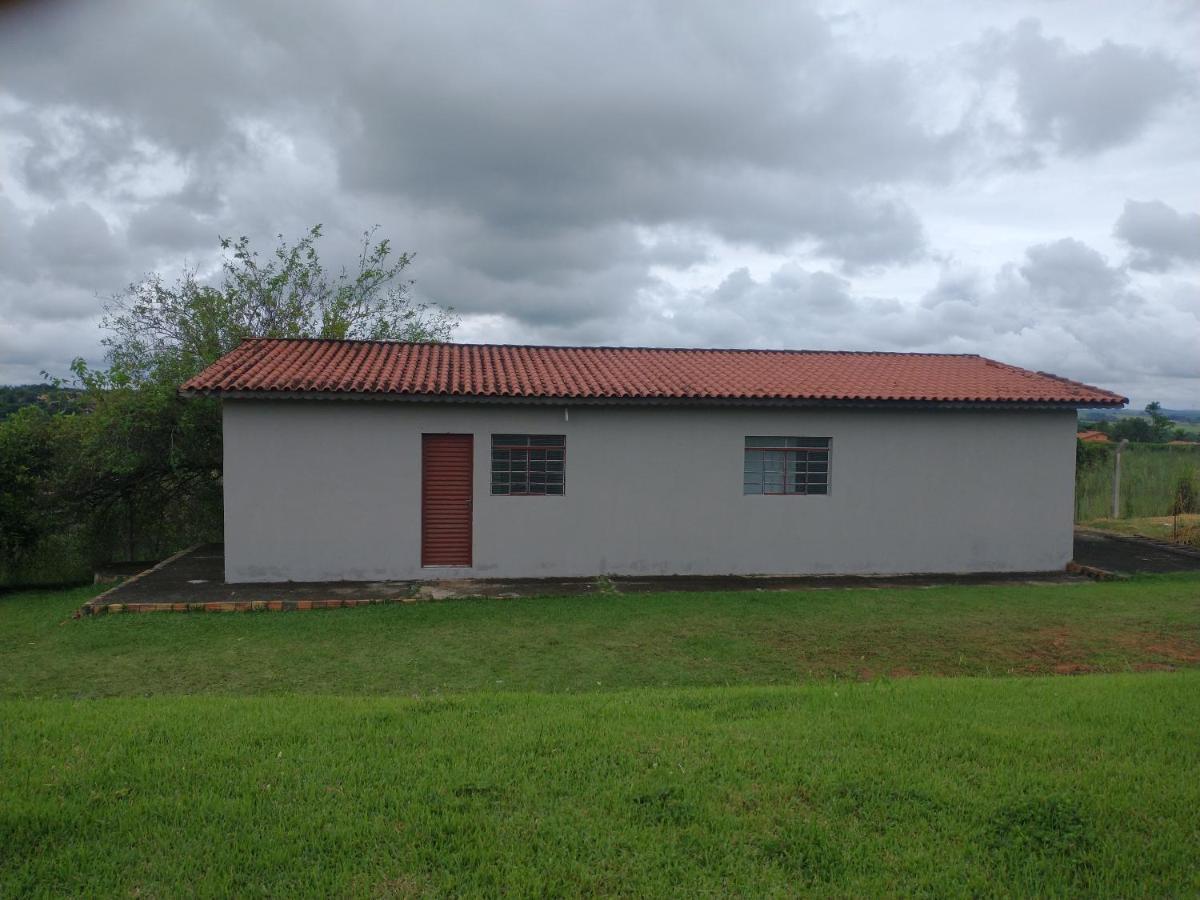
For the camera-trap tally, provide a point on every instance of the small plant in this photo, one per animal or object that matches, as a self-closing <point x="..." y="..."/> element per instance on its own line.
<point x="605" y="585"/>
<point x="1187" y="498"/>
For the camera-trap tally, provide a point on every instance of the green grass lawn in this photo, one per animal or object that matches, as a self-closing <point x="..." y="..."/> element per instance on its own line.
<point x="676" y="744"/>
<point x="601" y="642"/>
<point x="1054" y="786"/>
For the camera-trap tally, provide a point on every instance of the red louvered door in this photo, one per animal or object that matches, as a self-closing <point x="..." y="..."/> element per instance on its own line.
<point x="446" y="480"/>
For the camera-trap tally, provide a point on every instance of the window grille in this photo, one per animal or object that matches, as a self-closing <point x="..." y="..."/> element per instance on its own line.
<point x="526" y="465"/>
<point x="786" y="465"/>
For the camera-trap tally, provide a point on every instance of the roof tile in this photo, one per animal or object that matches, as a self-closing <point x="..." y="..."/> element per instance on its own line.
<point x="290" y="366"/>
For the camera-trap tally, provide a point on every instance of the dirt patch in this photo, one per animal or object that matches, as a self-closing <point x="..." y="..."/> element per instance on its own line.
<point x="1154" y="667"/>
<point x="1059" y="637"/>
<point x="1069" y="668"/>
<point x="1057" y="645"/>
<point x="1056" y="649"/>
<point x="1171" y="647"/>
<point x="1060" y="650"/>
<point x="865" y="674"/>
<point x="1177" y="649"/>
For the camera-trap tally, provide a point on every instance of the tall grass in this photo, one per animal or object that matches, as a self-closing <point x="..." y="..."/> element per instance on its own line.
<point x="1150" y="476"/>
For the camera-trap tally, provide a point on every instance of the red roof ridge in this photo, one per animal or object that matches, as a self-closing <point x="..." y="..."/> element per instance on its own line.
<point x="657" y="349"/>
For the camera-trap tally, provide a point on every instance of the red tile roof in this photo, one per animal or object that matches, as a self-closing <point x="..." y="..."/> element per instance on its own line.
<point x="269" y="366"/>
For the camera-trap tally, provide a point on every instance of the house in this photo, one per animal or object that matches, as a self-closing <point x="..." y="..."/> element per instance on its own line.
<point x="1093" y="437"/>
<point x="361" y="460"/>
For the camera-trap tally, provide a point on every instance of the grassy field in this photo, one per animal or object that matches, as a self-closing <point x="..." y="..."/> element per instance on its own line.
<point x="1150" y="475"/>
<point x="732" y="744"/>
<point x="1048" y="786"/>
<point x="601" y="642"/>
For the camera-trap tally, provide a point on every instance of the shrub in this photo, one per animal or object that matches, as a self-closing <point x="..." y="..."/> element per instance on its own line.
<point x="1089" y="455"/>
<point x="1187" y="497"/>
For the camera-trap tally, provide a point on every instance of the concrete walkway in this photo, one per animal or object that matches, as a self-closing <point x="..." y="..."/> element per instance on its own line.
<point x="191" y="581"/>
<point x="1131" y="555"/>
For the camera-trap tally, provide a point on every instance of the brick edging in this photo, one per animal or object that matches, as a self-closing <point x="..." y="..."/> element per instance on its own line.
<point x="249" y="605"/>
<point x="95" y="605"/>
<point x="1093" y="572"/>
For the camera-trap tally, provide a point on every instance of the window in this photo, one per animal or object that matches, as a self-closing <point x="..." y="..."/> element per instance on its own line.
<point x="786" y="465"/>
<point x="529" y="464"/>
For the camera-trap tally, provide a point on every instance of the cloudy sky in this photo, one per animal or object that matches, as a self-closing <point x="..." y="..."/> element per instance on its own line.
<point x="1017" y="179"/>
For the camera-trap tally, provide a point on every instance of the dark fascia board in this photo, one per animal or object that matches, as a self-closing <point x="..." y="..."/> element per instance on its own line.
<point x="639" y="401"/>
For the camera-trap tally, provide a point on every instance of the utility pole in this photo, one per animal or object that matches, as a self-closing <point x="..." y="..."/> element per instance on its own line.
<point x="1116" y="504"/>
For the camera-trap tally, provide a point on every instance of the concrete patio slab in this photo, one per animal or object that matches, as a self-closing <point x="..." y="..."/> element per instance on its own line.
<point x="192" y="581"/>
<point x="1131" y="555"/>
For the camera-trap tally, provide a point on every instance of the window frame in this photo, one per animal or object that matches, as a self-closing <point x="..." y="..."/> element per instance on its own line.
<point x="510" y="447"/>
<point x="782" y="447"/>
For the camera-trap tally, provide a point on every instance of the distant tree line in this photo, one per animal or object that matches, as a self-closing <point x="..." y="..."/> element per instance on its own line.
<point x="16" y="396"/>
<point x="1179" y="416"/>
<point x="1157" y="480"/>
<point x="1155" y="427"/>
<point x="110" y="463"/>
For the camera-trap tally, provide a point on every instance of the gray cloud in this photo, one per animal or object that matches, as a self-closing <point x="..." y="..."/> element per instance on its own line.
<point x="1158" y="235"/>
<point x="75" y="243"/>
<point x="176" y="74"/>
<point x="760" y="129"/>
<point x="650" y="123"/>
<point x="69" y="149"/>
<point x="14" y="245"/>
<point x="1071" y="275"/>
<point x="1082" y="102"/>
<point x="172" y="225"/>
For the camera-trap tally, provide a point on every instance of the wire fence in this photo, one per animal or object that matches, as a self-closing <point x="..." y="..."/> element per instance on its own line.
<point x="1155" y="478"/>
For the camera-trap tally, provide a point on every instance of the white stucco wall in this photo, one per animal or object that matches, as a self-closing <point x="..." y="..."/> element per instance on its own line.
<point x="319" y="490"/>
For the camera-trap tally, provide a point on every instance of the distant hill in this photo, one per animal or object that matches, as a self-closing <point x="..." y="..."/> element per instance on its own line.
<point x="1111" y="415"/>
<point x="15" y="396"/>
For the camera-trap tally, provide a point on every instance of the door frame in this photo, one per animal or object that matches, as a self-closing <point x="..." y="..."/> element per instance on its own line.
<point x="469" y="438"/>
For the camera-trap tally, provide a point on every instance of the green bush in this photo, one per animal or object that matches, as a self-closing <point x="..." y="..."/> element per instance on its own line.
<point x="1090" y="454"/>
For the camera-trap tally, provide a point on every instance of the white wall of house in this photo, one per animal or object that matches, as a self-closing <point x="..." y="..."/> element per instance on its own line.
<point x="331" y="490"/>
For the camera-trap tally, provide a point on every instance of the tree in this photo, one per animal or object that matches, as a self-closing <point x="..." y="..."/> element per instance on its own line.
<point x="169" y="332"/>
<point x="1154" y="428"/>
<point x="1160" y="424"/>
<point x="126" y="466"/>
<point x="25" y="454"/>
<point x="1134" y="429"/>
<point x="15" y="397"/>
